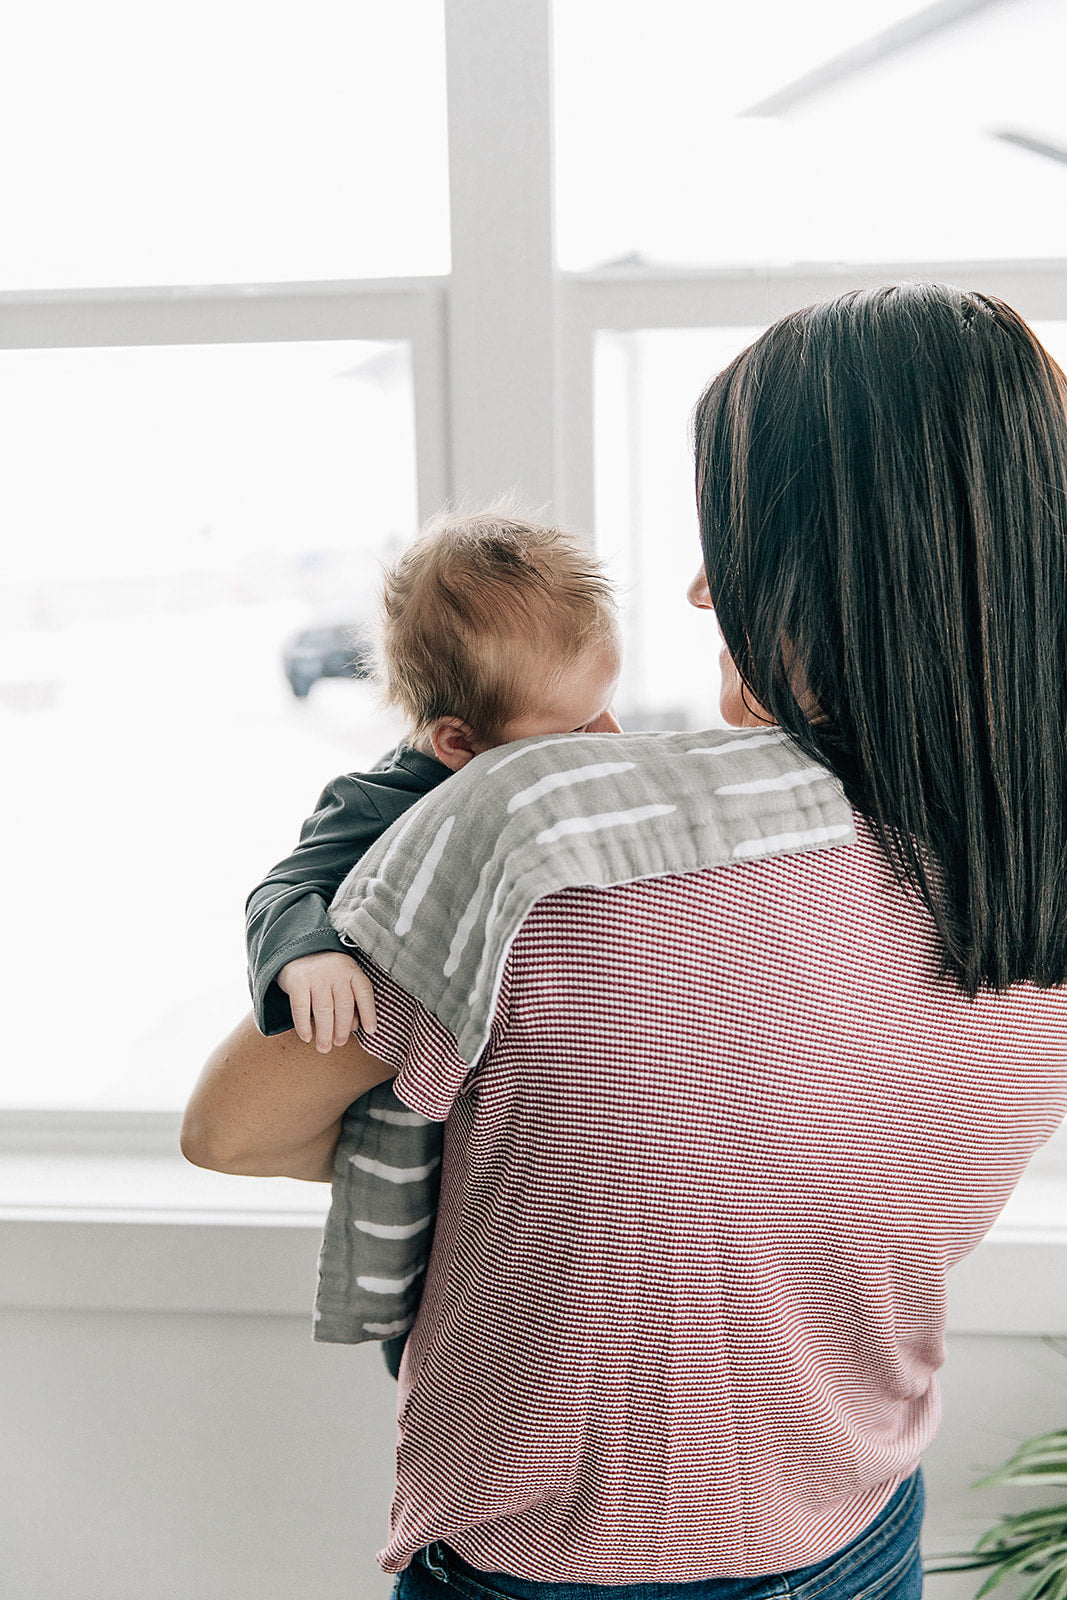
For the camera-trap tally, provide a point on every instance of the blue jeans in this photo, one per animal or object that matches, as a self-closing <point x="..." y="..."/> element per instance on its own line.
<point x="881" y="1563"/>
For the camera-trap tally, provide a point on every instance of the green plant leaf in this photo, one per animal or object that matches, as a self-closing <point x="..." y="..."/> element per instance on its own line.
<point x="1046" y="1453"/>
<point x="965" y="1566"/>
<point x="1045" y="1520"/>
<point x="1057" y="1439"/>
<point x="1039" y="1516"/>
<point x="1032" y="1541"/>
<point x="1041" y="1475"/>
<point x="1025" y="1560"/>
<point x="1049" y="1586"/>
<point x="1031" y="1529"/>
<point x="1059" y="1589"/>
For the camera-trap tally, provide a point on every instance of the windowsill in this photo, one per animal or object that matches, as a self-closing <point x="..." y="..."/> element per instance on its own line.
<point x="126" y="1166"/>
<point x="78" y="1187"/>
<point x="100" y="1212"/>
<point x="104" y="1214"/>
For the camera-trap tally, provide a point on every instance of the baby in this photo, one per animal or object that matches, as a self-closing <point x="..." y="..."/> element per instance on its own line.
<point x="492" y="628"/>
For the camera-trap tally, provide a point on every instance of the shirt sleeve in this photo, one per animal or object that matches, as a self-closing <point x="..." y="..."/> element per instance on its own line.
<point x="429" y="1072"/>
<point x="287" y="915"/>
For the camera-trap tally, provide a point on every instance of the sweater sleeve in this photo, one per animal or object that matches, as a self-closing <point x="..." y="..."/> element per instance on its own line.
<point x="287" y="914"/>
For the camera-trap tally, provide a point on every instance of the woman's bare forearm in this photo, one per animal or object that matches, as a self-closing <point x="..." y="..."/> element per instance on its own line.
<point x="272" y="1107"/>
<point x="313" y="1162"/>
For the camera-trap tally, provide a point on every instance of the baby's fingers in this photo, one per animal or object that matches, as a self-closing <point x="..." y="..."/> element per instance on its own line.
<point x="363" y="997"/>
<point x="300" y="1006"/>
<point x="322" y="1010"/>
<point x="343" y="1013"/>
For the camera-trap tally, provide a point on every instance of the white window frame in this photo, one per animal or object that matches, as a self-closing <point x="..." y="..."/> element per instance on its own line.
<point x="409" y="309"/>
<point x="627" y="299"/>
<point x="502" y="348"/>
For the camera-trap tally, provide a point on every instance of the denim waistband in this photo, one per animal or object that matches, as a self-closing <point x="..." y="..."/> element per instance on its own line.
<point x="879" y="1563"/>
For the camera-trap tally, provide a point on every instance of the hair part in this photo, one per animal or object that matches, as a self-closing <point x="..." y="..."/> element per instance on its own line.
<point x="481" y="612"/>
<point x="882" y="490"/>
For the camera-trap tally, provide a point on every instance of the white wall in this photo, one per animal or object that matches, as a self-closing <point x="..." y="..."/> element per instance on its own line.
<point x="149" y="1456"/>
<point x="152" y="1456"/>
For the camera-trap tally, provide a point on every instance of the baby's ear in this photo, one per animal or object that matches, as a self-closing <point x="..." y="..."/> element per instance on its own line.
<point x="453" y="742"/>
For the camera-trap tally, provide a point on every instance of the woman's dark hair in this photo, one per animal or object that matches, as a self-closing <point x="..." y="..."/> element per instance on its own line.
<point x="882" y="487"/>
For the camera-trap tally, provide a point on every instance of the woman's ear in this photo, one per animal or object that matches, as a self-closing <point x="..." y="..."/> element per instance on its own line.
<point x="452" y="742"/>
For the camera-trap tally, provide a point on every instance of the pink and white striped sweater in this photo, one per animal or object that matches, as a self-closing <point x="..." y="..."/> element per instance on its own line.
<point x="686" y="1299"/>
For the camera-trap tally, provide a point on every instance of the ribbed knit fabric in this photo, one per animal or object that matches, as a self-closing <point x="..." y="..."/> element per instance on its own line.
<point x="686" y="1298"/>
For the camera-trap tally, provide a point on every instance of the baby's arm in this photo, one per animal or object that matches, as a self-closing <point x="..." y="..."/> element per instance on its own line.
<point x="296" y="960"/>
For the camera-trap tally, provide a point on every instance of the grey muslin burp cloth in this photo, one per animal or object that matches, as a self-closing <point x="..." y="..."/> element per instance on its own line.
<point x="438" y="900"/>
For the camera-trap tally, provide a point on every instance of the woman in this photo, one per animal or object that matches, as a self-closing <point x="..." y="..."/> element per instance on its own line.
<point x="686" y="1300"/>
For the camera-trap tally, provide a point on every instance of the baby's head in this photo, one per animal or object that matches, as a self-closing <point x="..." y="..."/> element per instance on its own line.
<point x="494" y="628"/>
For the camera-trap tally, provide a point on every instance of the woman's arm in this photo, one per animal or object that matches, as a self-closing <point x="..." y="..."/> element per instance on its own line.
<point x="273" y="1107"/>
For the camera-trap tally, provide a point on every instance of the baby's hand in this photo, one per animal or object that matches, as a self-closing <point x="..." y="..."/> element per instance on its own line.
<point x="328" y="993"/>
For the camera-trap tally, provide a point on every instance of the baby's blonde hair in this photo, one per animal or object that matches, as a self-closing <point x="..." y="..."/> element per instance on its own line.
<point x="471" y="603"/>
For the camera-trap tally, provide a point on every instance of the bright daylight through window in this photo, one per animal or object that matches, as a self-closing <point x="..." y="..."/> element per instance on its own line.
<point x="221" y="142"/>
<point x="196" y="535"/>
<point x="241" y="356"/>
<point x="833" y="131"/>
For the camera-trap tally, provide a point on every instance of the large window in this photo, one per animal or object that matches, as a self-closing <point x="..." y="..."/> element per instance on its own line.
<point x="266" y="301"/>
<point x="221" y="141"/>
<point x="833" y="131"/>
<point x="193" y="535"/>
<point x="646" y="384"/>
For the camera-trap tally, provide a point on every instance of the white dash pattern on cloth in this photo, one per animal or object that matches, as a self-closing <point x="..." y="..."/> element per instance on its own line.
<point x="423" y="878"/>
<point x="386" y="1285"/>
<point x="567" y="827"/>
<point x="465" y="925"/>
<point x="773" y="845"/>
<point x="395" y="1230"/>
<point x="387" y="1330"/>
<point x="525" y="748"/>
<point x="399" y="1119"/>
<point x="377" y="1228"/>
<point x="785" y="780"/>
<point x="382" y="1169"/>
<point x="729" y="745"/>
<point x="567" y="780"/>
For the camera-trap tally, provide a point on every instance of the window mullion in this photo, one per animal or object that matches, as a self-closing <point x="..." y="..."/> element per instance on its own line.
<point x="501" y="335"/>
